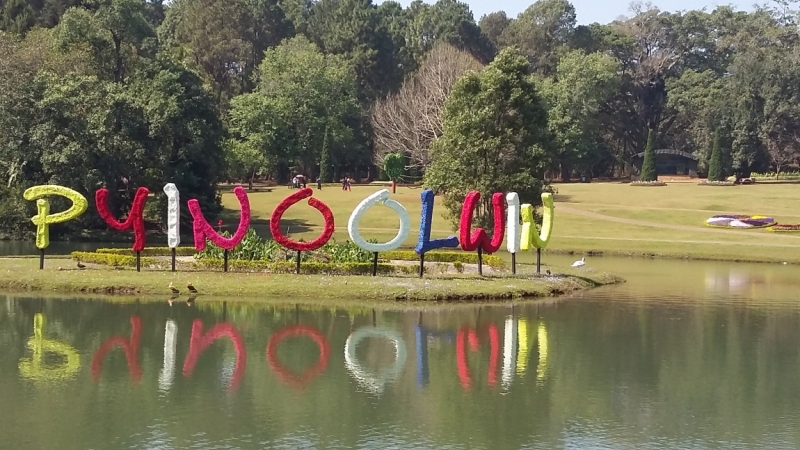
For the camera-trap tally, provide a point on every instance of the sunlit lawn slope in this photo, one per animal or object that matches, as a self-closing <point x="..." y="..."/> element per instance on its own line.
<point x="651" y="212"/>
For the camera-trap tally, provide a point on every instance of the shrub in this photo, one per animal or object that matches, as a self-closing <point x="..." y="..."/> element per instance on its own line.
<point x="649" y="163"/>
<point x="715" y="172"/>
<point x="793" y="175"/>
<point x="492" y="261"/>
<point x="306" y="268"/>
<point x="149" y="251"/>
<point x="459" y="266"/>
<point x="255" y="248"/>
<point x="111" y="259"/>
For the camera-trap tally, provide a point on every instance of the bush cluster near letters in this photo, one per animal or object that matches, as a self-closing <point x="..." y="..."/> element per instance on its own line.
<point x="255" y="248"/>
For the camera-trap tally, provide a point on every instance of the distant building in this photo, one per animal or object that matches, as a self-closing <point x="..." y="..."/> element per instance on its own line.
<point x="669" y="162"/>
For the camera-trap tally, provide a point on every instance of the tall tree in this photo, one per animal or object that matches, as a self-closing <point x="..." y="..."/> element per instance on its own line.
<point x="495" y="137"/>
<point x="355" y="30"/>
<point x="493" y="25"/>
<point x="410" y="120"/>
<point x="715" y="171"/>
<point x="541" y="31"/>
<point x="649" y="172"/>
<point x="115" y="33"/>
<point x="582" y="86"/>
<point x="302" y="96"/>
<point x="449" y="21"/>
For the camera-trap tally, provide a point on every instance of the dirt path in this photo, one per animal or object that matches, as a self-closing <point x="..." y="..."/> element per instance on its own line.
<point x="644" y="223"/>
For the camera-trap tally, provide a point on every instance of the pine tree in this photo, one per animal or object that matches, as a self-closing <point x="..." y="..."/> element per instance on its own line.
<point x="325" y="159"/>
<point x="715" y="172"/>
<point x="649" y="164"/>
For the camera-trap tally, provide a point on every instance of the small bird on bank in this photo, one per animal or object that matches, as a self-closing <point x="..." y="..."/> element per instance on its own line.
<point x="80" y="265"/>
<point x="580" y="263"/>
<point x="174" y="290"/>
<point x="191" y="288"/>
<point x="547" y="272"/>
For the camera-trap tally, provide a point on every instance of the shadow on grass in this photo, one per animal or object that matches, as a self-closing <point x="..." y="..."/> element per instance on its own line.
<point x="261" y="226"/>
<point x="562" y="198"/>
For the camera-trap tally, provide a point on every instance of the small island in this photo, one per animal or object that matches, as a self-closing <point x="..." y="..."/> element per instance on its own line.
<point x="63" y="277"/>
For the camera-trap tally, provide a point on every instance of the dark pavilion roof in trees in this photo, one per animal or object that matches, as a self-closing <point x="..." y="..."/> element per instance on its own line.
<point x="669" y="151"/>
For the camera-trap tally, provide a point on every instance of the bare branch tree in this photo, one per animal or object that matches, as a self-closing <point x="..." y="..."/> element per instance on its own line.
<point x="410" y="120"/>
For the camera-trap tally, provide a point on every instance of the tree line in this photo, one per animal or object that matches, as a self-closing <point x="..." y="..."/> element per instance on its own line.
<point x="125" y="93"/>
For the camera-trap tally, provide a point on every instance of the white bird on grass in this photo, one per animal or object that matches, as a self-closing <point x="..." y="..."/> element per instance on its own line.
<point x="580" y="263"/>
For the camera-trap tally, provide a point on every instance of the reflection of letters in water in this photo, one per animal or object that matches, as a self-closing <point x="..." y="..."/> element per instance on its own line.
<point x="509" y="351"/>
<point x="34" y="368"/>
<point x="170" y="343"/>
<point x="130" y="348"/>
<point x="422" y="335"/>
<point x="199" y="342"/>
<point x="374" y="383"/>
<point x="522" y="352"/>
<point x="469" y="336"/>
<point x="541" y="369"/>
<point x="310" y="373"/>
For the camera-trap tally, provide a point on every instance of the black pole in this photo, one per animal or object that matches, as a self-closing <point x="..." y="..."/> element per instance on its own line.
<point x="421" y="264"/>
<point x="298" y="262"/>
<point x="538" y="260"/>
<point x="480" y="261"/>
<point x="513" y="263"/>
<point x="375" y="264"/>
<point x="173" y="259"/>
<point x="138" y="261"/>
<point x="225" y="261"/>
<point x="41" y="259"/>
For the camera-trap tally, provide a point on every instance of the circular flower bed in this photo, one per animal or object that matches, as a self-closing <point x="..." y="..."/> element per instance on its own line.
<point x="739" y="221"/>
<point x="648" y="183"/>
<point x="785" y="228"/>
<point x="716" y="183"/>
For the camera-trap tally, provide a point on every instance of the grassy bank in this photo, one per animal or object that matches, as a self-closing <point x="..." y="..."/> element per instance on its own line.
<point x="21" y="274"/>
<point x="607" y="218"/>
<point x="616" y="219"/>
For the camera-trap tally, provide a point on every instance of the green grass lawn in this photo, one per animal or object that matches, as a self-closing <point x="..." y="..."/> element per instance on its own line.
<point x="683" y="204"/>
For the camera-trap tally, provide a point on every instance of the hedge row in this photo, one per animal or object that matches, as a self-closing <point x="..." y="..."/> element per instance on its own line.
<point x="150" y="251"/>
<point x="492" y="261"/>
<point x="307" y="268"/>
<point x="111" y="259"/>
<point x="126" y="257"/>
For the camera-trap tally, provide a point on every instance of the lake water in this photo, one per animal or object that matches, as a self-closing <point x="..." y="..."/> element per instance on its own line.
<point x="685" y="355"/>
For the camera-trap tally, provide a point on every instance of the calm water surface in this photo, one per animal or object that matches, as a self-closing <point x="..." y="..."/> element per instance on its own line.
<point x="685" y="355"/>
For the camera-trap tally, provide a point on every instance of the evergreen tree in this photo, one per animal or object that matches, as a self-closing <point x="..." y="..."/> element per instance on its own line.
<point x="649" y="164"/>
<point x="715" y="171"/>
<point x="325" y="159"/>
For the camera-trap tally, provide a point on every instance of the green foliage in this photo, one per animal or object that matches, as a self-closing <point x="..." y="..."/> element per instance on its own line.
<point x="541" y="32"/>
<point x="111" y="259"/>
<point x="459" y="266"/>
<point x="255" y="248"/>
<point x="788" y="175"/>
<point x="394" y="165"/>
<point x="354" y="31"/>
<point x="303" y="96"/>
<point x="307" y="268"/>
<point x="149" y="251"/>
<point x="492" y="261"/>
<point x="649" y="162"/>
<point x="575" y="96"/>
<point x="495" y="138"/>
<point x="715" y="171"/>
